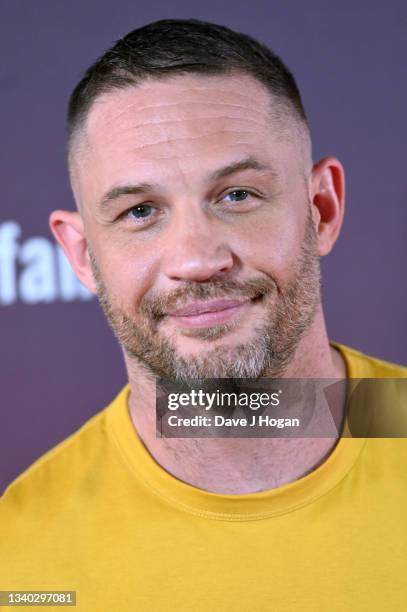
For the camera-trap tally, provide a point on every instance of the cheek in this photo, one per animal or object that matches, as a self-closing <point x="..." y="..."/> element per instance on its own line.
<point x="128" y="271"/>
<point x="270" y="244"/>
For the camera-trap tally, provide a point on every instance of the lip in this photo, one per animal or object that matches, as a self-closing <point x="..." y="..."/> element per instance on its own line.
<point x="198" y="308"/>
<point x="207" y="313"/>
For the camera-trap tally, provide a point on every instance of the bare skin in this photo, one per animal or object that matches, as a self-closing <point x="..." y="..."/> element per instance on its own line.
<point x="175" y="135"/>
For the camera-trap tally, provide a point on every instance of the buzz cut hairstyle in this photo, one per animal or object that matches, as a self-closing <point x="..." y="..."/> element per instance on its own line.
<point x="172" y="47"/>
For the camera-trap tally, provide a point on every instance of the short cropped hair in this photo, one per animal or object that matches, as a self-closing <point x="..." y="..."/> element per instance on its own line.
<point x="178" y="47"/>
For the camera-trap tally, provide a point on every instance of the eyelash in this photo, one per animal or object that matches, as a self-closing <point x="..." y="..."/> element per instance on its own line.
<point x="126" y="213"/>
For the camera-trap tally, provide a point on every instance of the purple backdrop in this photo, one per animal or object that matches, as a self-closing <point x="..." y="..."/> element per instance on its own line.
<point x="59" y="361"/>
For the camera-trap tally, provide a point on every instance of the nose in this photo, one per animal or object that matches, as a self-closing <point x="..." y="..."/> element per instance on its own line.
<point x="197" y="250"/>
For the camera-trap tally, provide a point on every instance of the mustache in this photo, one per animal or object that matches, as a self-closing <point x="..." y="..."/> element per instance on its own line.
<point x="157" y="305"/>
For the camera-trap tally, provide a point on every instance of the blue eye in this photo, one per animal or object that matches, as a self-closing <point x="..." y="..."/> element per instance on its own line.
<point x="141" y="211"/>
<point x="239" y="195"/>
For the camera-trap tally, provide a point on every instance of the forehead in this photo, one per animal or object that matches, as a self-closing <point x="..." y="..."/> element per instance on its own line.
<point x="185" y="97"/>
<point x="180" y="125"/>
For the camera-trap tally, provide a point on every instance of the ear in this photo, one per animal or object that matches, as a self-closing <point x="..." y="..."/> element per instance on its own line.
<point x="68" y="230"/>
<point x="328" y="201"/>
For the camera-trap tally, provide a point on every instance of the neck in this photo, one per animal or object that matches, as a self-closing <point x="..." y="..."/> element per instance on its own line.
<point x="240" y="465"/>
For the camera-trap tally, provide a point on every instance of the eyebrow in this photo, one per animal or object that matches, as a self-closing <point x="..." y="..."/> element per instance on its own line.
<point x="248" y="163"/>
<point x="121" y="190"/>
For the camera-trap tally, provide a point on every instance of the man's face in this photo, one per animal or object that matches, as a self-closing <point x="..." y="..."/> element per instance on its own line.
<point x="196" y="212"/>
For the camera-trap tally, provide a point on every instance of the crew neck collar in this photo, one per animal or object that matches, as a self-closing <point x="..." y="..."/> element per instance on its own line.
<point x="227" y="507"/>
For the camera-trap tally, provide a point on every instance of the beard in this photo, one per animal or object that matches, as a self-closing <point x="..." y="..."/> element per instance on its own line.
<point x="287" y="313"/>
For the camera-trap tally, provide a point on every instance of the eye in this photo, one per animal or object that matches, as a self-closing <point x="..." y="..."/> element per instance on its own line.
<point x="140" y="212"/>
<point x="238" y="195"/>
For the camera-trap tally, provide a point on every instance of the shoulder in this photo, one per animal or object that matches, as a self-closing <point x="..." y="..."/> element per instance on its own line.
<point x="53" y="472"/>
<point x="59" y="497"/>
<point x="85" y="451"/>
<point x="360" y="365"/>
<point x="63" y="480"/>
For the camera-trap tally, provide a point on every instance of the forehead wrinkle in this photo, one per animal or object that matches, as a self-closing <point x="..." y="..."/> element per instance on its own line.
<point x="190" y="128"/>
<point x="148" y="131"/>
<point x="199" y="154"/>
<point x="203" y="123"/>
<point x="181" y="87"/>
<point x="194" y="102"/>
<point x="167" y="134"/>
<point x="149" y="86"/>
<point x="153" y="123"/>
<point x="171" y="141"/>
<point x="249" y="116"/>
<point x="105" y="100"/>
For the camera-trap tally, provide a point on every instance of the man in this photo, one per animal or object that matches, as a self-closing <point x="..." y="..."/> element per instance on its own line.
<point x="200" y="224"/>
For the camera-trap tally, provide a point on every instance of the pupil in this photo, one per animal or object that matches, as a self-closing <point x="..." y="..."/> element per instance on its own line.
<point x="239" y="195"/>
<point x="141" y="211"/>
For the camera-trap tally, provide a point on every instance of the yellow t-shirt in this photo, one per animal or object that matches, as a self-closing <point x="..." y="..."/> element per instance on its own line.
<point x="99" y="516"/>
